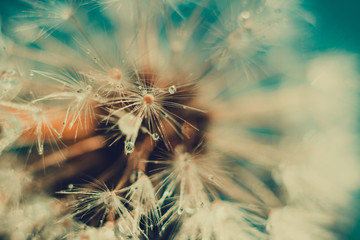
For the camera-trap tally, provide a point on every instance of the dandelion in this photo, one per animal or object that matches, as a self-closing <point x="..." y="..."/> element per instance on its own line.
<point x="173" y="119"/>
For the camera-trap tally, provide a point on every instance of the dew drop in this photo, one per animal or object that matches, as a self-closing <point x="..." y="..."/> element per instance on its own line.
<point x="245" y="15"/>
<point x="211" y="178"/>
<point x="180" y="211"/>
<point x="129" y="147"/>
<point x="155" y="136"/>
<point x="41" y="149"/>
<point x="172" y="89"/>
<point x="70" y="186"/>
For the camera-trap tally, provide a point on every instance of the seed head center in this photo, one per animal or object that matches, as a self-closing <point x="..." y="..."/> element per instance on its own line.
<point x="115" y="74"/>
<point x="148" y="99"/>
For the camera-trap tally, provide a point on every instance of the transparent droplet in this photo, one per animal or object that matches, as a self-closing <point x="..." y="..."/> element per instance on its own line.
<point x="129" y="147"/>
<point x="211" y="178"/>
<point x="245" y="15"/>
<point x="70" y="186"/>
<point x="155" y="136"/>
<point x="180" y="211"/>
<point x="172" y="89"/>
<point x="41" y="149"/>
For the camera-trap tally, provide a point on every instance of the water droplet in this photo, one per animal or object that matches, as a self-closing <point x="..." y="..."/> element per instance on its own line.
<point x="180" y="211"/>
<point x="155" y="136"/>
<point x="129" y="147"/>
<point x="211" y="178"/>
<point x="172" y="89"/>
<point x="143" y="92"/>
<point x="245" y="15"/>
<point x="41" y="149"/>
<point x="70" y="186"/>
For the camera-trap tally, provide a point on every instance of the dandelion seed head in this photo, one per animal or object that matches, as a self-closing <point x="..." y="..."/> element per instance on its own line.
<point x="148" y="99"/>
<point x="115" y="74"/>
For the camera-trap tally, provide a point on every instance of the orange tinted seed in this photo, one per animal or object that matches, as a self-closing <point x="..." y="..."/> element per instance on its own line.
<point x="148" y="99"/>
<point x="115" y="73"/>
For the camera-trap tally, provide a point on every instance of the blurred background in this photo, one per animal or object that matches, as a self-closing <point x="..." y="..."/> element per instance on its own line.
<point x="337" y="27"/>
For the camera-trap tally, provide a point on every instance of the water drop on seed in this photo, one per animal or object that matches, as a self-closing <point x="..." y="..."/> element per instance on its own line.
<point x="129" y="147"/>
<point x="172" y="89"/>
<point x="155" y="136"/>
<point x="180" y="211"/>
